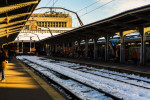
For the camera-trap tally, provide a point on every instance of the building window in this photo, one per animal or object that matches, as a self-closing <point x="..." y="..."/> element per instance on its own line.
<point x="42" y="24"/>
<point x="65" y="24"/>
<point x="48" y="24"/>
<point x="56" y="24"/>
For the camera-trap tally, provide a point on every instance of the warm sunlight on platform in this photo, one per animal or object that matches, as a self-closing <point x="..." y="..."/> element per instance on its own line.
<point x="17" y="78"/>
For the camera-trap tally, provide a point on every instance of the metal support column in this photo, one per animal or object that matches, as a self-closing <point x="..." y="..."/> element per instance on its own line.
<point x="34" y="44"/>
<point x="47" y="49"/>
<point x="22" y="46"/>
<point x="18" y="45"/>
<point x="95" y="48"/>
<point x="55" y="48"/>
<point x="86" y="47"/>
<point x="30" y="43"/>
<point x="143" y="47"/>
<point x="42" y="47"/>
<point x="122" y="48"/>
<point x="72" y="49"/>
<point x="63" y="49"/>
<point x="79" y="48"/>
<point x="79" y="45"/>
<point x="68" y="47"/>
<point x="107" y="47"/>
<point x="50" y="49"/>
<point x="46" y="46"/>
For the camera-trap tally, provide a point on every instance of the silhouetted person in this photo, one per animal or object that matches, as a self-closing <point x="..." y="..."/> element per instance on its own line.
<point x="3" y="59"/>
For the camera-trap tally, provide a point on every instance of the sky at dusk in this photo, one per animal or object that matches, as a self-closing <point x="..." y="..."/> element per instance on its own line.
<point x="92" y="10"/>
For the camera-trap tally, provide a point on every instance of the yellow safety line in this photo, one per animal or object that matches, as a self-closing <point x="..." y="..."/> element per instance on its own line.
<point x="49" y="89"/>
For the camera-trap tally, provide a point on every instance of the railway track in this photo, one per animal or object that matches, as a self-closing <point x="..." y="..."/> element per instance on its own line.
<point x="126" y="79"/>
<point x="106" y="71"/>
<point x="73" y="96"/>
<point x="119" y="85"/>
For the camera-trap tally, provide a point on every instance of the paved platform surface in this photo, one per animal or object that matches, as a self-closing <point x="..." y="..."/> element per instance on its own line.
<point x="132" y="67"/>
<point x="22" y="84"/>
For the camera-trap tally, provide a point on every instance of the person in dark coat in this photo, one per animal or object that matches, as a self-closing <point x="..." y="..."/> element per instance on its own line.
<point x="3" y="59"/>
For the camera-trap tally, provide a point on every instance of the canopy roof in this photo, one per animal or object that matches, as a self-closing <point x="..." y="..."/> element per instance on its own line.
<point x="128" y="22"/>
<point x="13" y="16"/>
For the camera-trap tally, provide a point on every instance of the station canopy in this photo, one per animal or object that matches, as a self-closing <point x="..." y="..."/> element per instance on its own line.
<point x="13" y="16"/>
<point x="126" y="22"/>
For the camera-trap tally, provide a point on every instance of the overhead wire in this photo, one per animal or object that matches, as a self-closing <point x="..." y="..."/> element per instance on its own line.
<point x="41" y="9"/>
<point x="96" y="8"/>
<point x="97" y="1"/>
<point x="53" y="4"/>
<point x="48" y="3"/>
<point x="45" y="6"/>
<point x="88" y="6"/>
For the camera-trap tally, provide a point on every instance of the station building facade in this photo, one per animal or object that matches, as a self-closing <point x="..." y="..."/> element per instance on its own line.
<point x="54" y="20"/>
<point x="38" y="27"/>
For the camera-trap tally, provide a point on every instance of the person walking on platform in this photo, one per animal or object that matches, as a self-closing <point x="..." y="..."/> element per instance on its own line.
<point x="3" y="62"/>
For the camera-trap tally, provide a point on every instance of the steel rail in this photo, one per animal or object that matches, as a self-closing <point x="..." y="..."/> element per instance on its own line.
<point x="53" y="83"/>
<point x="100" y="90"/>
<point x="113" y="78"/>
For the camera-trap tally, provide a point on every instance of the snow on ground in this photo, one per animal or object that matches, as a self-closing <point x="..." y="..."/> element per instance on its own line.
<point x="119" y="89"/>
<point x="100" y="71"/>
<point x="80" y="90"/>
<point x="106" y="73"/>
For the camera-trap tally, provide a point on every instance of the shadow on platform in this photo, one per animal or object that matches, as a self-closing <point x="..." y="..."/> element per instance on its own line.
<point x="19" y="85"/>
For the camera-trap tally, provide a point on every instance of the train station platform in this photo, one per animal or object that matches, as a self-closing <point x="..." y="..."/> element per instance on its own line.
<point x="23" y="84"/>
<point x="127" y="68"/>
